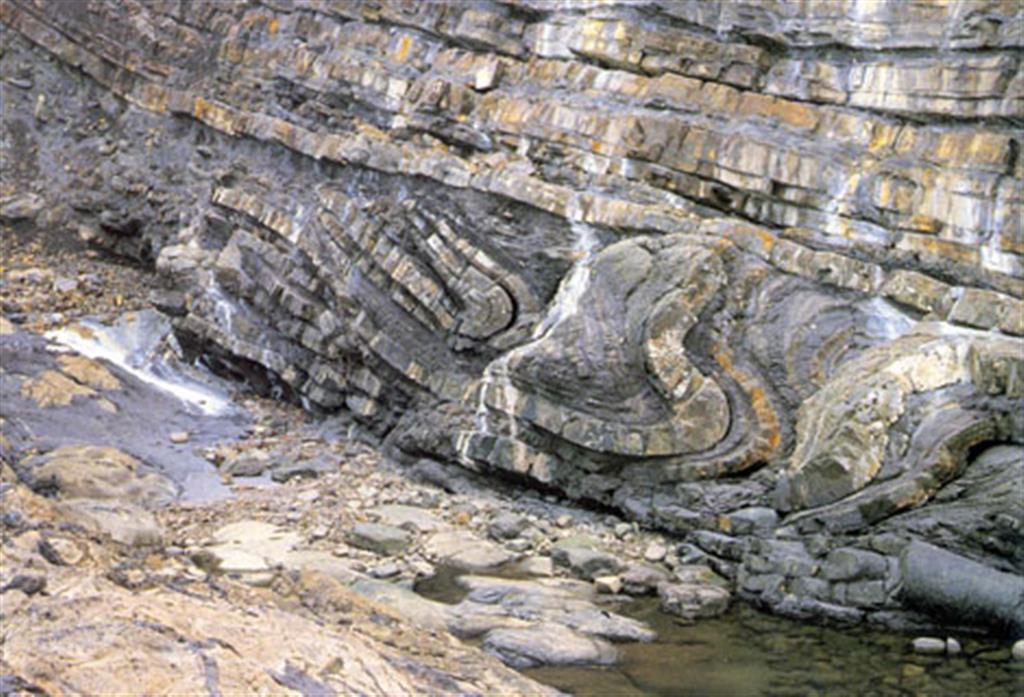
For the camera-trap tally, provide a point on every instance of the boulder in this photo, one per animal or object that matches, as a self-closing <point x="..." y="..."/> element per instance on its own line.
<point x="506" y="526"/>
<point x="961" y="590"/>
<point x="97" y="472"/>
<point x="547" y="645"/>
<point x="587" y="563"/>
<point x="693" y="601"/>
<point x="642" y="579"/>
<point x="382" y="539"/>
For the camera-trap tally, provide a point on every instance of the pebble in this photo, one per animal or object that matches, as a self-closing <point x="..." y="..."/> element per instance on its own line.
<point x="537" y="566"/>
<point x="506" y="526"/>
<point x="386" y="570"/>
<point x="623" y="529"/>
<point x="33" y="276"/>
<point x="564" y="520"/>
<point x="655" y="552"/>
<point x="65" y="285"/>
<point x="690" y="554"/>
<point x="12" y="519"/>
<point x="29" y="584"/>
<point x="929" y="646"/>
<point x="179" y="437"/>
<point x="422" y="569"/>
<point x="1017" y="652"/>
<point x="610" y="585"/>
<point x="952" y="646"/>
<point x="518" y="545"/>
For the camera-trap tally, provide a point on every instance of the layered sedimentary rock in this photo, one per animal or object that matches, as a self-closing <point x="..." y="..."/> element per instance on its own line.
<point x="685" y="259"/>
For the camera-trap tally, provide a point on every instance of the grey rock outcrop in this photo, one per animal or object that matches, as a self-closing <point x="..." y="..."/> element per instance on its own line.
<point x="689" y="260"/>
<point x="938" y="581"/>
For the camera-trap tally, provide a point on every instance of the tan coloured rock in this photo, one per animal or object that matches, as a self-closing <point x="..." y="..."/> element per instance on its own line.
<point x="88" y="372"/>
<point x="122" y="521"/>
<point x="96" y="472"/>
<point x="110" y="626"/>
<point x="54" y="389"/>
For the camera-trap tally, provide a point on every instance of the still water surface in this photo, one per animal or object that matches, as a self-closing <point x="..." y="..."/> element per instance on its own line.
<point x="747" y="653"/>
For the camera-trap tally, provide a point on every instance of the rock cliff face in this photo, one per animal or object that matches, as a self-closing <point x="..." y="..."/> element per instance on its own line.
<point x="693" y="260"/>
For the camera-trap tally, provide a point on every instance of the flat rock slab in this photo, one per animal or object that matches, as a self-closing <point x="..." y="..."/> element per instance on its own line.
<point x="547" y="644"/>
<point x="239" y="561"/>
<point x="382" y="539"/>
<point x="251" y="549"/>
<point x="492" y="589"/>
<point x="565" y="602"/>
<point x="256" y="532"/>
<point x="464" y="550"/>
<point x="411" y="518"/>
<point x="423" y="611"/>
<point x="341" y="570"/>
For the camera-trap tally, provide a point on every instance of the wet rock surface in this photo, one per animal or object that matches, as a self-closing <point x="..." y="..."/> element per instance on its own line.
<point x="60" y="401"/>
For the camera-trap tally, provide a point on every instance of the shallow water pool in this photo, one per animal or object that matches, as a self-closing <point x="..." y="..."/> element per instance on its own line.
<point x="746" y="652"/>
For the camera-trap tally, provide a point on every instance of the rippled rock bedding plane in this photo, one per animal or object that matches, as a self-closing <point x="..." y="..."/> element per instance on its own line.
<point x="749" y="272"/>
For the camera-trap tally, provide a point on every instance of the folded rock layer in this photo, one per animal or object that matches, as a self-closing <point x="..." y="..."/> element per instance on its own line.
<point x="678" y="258"/>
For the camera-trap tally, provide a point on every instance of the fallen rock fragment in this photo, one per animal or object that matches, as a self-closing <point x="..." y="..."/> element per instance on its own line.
<point x="692" y="601"/>
<point x="586" y="563"/>
<point x="382" y="539"/>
